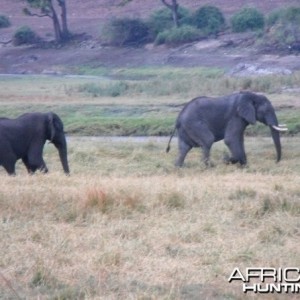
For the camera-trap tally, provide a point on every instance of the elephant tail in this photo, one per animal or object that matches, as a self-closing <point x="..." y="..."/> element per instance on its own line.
<point x="169" y="144"/>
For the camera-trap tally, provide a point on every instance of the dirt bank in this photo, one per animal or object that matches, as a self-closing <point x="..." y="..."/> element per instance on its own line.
<point x="226" y="52"/>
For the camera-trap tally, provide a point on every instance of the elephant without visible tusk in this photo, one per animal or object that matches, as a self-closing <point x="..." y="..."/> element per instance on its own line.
<point x="24" y="138"/>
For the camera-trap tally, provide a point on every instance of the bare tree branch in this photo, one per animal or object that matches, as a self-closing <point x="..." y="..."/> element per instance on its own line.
<point x="6" y="42"/>
<point x="27" y="12"/>
<point x="174" y="8"/>
<point x="123" y="2"/>
<point x="170" y="6"/>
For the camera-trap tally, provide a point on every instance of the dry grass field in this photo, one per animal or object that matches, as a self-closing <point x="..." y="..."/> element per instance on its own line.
<point x="127" y="224"/>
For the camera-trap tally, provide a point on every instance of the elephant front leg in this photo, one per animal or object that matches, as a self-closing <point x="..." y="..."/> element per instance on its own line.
<point x="25" y="162"/>
<point x="236" y="147"/>
<point x="44" y="168"/>
<point x="34" y="161"/>
<point x="33" y="166"/>
<point x="231" y="160"/>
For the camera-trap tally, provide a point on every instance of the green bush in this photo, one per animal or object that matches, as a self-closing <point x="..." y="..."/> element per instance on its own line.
<point x="4" y="21"/>
<point x="162" y="20"/>
<point x="284" y="15"/>
<point x="273" y="17"/>
<point x="24" y="35"/>
<point x="247" y="19"/>
<point x="284" y="28"/>
<point x="291" y="15"/>
<point x="124" y="32"/>
<point x="176" y="36"/>
<point x="209" y="19"/>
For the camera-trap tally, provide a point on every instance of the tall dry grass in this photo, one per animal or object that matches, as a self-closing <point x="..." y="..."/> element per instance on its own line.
<point x="128" y="224"/>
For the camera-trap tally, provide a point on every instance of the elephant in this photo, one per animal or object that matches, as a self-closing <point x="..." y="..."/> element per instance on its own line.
<point x="205" y="120"/>
<point x="24" y="138"/>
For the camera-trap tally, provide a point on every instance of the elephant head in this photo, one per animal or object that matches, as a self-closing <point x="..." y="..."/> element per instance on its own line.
<point x="255" y="107"/>
<point x="56" y="136"/>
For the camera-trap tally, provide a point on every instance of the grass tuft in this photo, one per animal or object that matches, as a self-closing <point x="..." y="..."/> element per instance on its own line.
<point x="174" y="200"/>
<point x="97" y="199"/>
<point x="242" y="194"/>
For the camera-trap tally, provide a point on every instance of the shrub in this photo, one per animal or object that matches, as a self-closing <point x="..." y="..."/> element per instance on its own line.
<point x="97" y="198"/>
<point x="273" y="17"/>
<point x="162" y="20"/>
<point x="209" y="19"/>
<point x="4" y="21"/>
<point x="247" y="19"/>
<point x="176" y="36"/>
<point x="125" y="31"/>
<point x="24" y="35"/>
<point x="284" y="28"/>
<point x="284" y="15"/>
<point x="291" y="15"/>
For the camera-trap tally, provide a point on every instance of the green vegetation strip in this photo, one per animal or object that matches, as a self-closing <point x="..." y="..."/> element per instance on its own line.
<point x="139" y="101"/>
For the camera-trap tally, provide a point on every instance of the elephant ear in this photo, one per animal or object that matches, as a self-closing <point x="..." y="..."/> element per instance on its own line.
<point x="246" y="110"/>
<point x="51" y="127"/>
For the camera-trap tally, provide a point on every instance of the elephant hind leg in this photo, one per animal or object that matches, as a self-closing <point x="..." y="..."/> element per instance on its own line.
<point x="202" y="137"/>
<point x="184" y="148"/>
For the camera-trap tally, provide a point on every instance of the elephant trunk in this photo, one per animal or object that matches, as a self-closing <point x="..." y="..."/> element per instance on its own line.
<point x="272" y="122"/>
<point x="64" y="160"/>
<point x="63" y="155"/>
<point x="276" y="139"/>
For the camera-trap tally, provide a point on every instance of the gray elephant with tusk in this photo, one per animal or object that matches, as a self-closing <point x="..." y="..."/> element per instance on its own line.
<point x="205" y="120"/>
<point x="24" y="138"/>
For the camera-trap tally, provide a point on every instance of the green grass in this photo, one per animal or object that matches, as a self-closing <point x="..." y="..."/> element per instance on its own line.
<point x="152" y="72"/>
<point x="119" y="126"/>
<point x="138" y="101"/>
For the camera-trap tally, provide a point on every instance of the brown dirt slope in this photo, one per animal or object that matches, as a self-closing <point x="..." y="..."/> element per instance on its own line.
<point x="86" y="16"/>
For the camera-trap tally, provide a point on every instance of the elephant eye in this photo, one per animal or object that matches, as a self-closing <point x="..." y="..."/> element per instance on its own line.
<point x="257" y="105"/>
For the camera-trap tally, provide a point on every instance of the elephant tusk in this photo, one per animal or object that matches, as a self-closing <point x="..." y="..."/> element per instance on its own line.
<point x="282" y="125"/>
<point x="280" y="128"/>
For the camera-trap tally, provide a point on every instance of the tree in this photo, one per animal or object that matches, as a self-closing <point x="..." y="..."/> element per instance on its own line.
<point x="173" y="6"/>
<point x="48" y="8"/>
